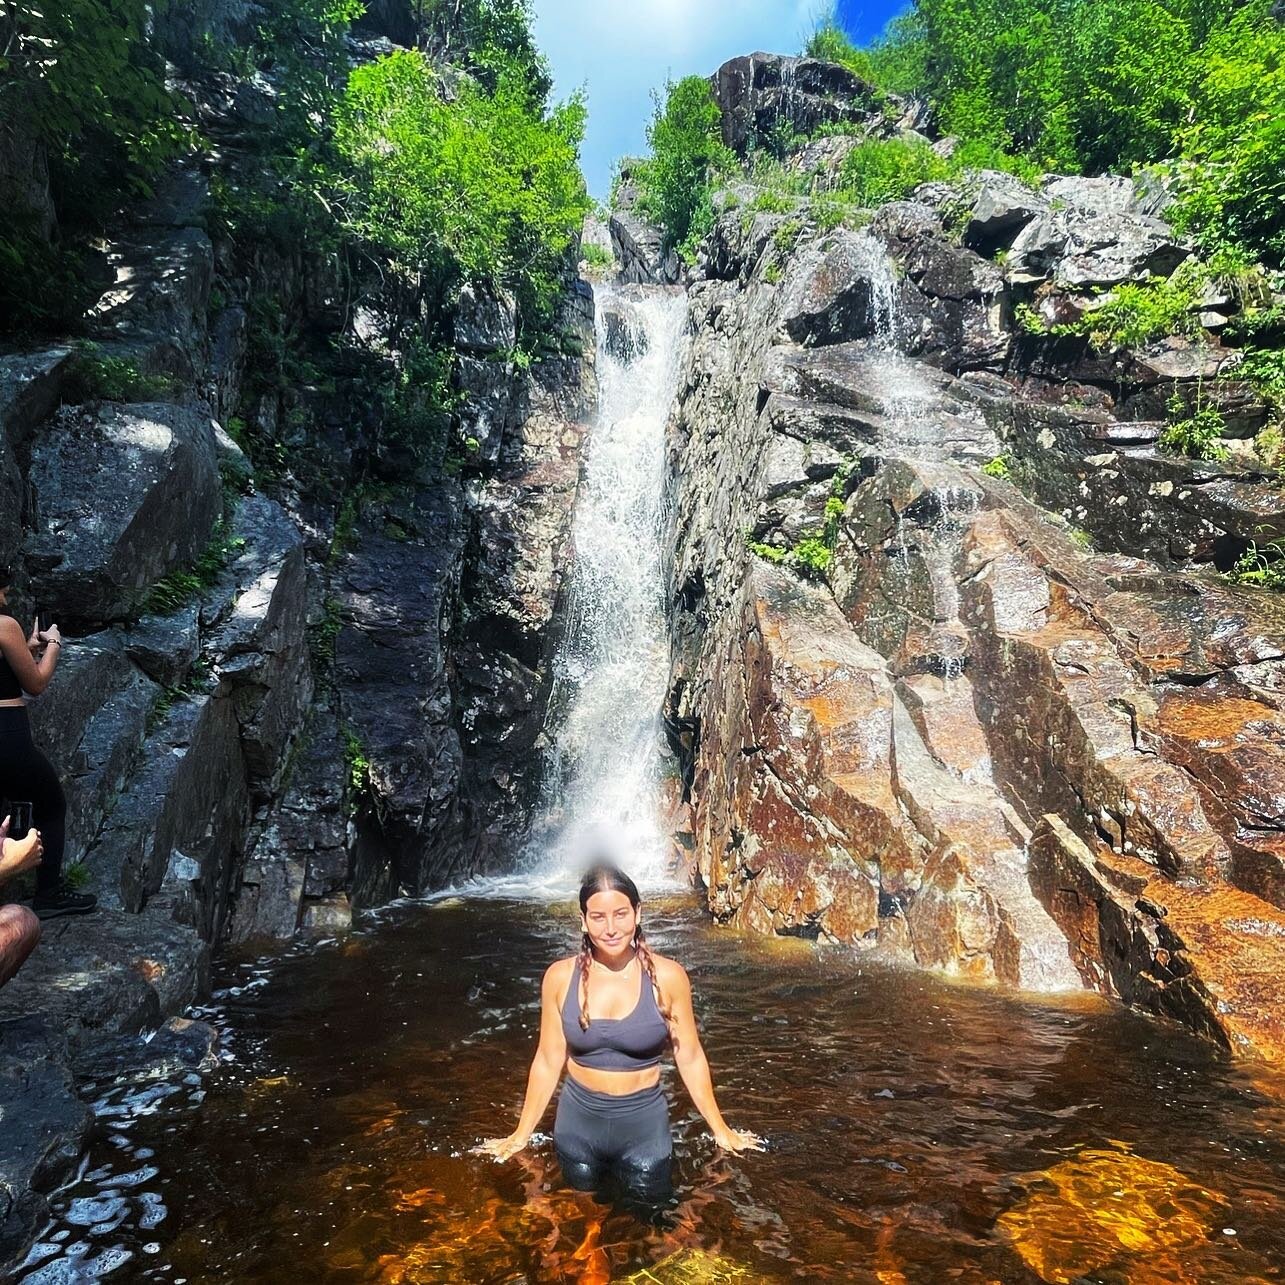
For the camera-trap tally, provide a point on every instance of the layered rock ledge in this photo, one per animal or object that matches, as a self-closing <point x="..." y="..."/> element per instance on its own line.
<point x="918" y="713"/>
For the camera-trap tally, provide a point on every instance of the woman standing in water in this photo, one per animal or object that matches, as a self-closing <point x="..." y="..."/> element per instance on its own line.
<point x="606" y="1016"/>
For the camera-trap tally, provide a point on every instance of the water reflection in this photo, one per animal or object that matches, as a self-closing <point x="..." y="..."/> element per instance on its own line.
<point x="919" y="1132"/>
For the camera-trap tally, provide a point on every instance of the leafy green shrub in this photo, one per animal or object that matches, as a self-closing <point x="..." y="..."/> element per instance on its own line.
<point x="786" y="237"/>
<point x="482" y="187"/>
<point x="1133" y="314"/>
<point x="181" y="586"/>
<point x="1196" y="434"/>
<point x="773" y="273"/>
<point x="888" y="169"/>
<point x="1233" y="150"/>
<point x="687" y="155"/>
<point x="597" y="256"/>
<point x="76" y="876"/>
<point x="830" y="43"/>
<point x="96" y="377"/>
<point x="1269" y="446"/>
<point x="356" y="767"/>
<point x="1264" y="368"/>
<point x="998" y="468"/>
<point x="812" y="557"/>
<point x="1261" y="565"/>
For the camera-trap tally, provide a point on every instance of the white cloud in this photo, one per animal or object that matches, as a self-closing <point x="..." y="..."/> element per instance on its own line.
<point x="620" y="50"/>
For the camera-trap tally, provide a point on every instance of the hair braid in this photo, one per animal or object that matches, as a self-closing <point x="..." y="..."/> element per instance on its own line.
<point x="644" y="957"/>
<point x="583" y="960"/>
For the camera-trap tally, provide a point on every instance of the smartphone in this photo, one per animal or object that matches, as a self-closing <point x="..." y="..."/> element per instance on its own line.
<point x="21" y="819"/>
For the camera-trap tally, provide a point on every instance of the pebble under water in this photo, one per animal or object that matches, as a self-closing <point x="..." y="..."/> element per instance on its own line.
<point x="919" y="1131"/>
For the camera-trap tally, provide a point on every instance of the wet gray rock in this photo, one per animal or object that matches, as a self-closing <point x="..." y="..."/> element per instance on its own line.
<point x="393" y="588"/>
<point x="301" y="850"/>
<point x="109" y="973"/>
<point x="92" y="722"/>
<point x="175" y="1048"/>
<point x="760" y="95"/>
<point x="97" y="551"/>
<point x="1104" y="250"/>
<point x="45" y="1128"/>
<point x="485" y="320"/>
<point x="260" y="650"/>
<point x="640" y="250"/>
<point x="828" y="296"/>
<point x="181" y="819"/>
<point x="487" y="386"/>
<point x="166" y="647"/>
<point x="1004" y="206"/>
<point x="511" y="585"/>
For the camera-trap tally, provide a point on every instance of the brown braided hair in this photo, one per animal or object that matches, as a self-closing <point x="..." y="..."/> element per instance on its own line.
<point x="605" y="877"/>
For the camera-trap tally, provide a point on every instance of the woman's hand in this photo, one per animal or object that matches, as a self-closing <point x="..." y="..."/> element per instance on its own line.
<point x="19" y="855"/>
<point x="51" y="635"/>
<point x="503" y="1148"/>
<point x="735" y="1140"/>
<point x="33" y="639"/>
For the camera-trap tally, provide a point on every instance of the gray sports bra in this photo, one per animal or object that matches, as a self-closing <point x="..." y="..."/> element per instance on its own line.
<point x="630" y="1043"/>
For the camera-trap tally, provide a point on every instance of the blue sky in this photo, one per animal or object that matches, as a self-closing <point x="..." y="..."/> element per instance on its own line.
<point x="619" y="55"/>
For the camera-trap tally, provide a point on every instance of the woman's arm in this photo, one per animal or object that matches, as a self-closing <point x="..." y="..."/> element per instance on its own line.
<point x="546" y="1067"/>
<point x="693" y="1066"/>
<point x="33" y="676"/>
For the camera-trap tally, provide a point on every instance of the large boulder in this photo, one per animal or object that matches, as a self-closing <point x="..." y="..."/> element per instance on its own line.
<point x="640" y="250"/>
<point x="124" y="495"/>
<point x="179" y="826"/>
<point x="91" y="723"/>
<point x="764" y="96"/>
<point x="829" y="296"/>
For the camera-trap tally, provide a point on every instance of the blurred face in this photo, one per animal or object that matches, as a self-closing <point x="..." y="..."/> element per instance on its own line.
<point x="610" y="920"/>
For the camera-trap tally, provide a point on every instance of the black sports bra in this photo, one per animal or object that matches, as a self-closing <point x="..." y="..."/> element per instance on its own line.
<point x="629" y="1043"/>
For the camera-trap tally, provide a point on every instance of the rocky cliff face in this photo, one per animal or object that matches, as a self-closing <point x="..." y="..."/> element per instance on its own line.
<point x="921" y="713"/>
<point x="284" y="694"/>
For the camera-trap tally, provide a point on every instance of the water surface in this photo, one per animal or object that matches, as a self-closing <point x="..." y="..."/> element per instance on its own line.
<point x="902" y="1111"/>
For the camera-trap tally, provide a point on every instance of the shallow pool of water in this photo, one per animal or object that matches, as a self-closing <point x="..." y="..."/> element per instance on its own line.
<point x="920" y="1132"/>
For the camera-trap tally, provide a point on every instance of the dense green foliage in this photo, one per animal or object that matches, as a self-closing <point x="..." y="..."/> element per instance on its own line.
<point x="481" y="187"/>
<point x="1082" y="86"/>
<point x="687" y="153"/>
<point x="81" y="81"/>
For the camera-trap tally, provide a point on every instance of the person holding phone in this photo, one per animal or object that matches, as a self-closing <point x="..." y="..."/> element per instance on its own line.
<point x="19" y="927"/>
<point x="27" y="664"/>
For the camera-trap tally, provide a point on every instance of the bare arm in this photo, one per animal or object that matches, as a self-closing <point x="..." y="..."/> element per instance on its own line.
<point x="693" y="1066"/>
<point x="546" y="1066"/>
<point x="33" y="676"/>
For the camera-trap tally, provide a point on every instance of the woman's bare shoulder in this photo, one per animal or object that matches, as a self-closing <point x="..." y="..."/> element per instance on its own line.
<point x="560" y="970"/>
<point x="669" y="970"/>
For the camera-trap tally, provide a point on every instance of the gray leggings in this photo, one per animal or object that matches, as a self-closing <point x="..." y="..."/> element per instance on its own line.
<point x="599" y="1136"/>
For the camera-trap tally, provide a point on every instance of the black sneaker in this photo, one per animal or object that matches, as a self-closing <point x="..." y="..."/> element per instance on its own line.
<point x="61" y="901"/>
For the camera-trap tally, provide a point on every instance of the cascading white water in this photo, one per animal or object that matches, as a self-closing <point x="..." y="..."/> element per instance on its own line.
<point x="611" y="670"/>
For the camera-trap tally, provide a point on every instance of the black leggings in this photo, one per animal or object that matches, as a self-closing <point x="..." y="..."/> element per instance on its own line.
<point x="26" y="776"/>
<point x="599" y="1136"/>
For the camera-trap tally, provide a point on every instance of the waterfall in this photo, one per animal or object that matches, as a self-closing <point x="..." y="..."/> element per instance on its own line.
<point x="610" y="673"/>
